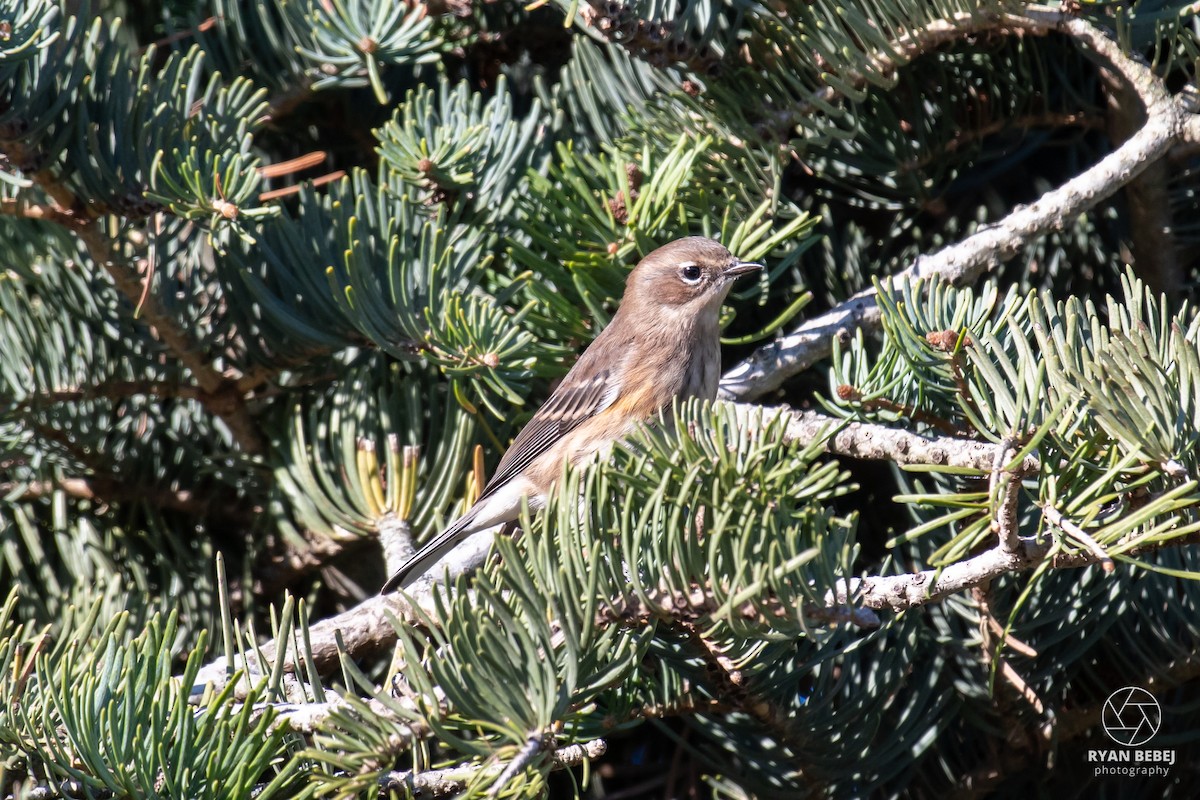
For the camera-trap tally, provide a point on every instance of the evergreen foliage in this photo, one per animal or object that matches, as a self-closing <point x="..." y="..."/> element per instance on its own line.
<point x="282" y="279"/>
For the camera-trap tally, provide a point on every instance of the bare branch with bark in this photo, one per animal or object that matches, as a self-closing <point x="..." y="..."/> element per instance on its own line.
<point x="366" y="628"/>
<point x="1169" y="121"/>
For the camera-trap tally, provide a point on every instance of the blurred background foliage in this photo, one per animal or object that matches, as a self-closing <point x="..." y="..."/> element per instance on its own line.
<point x="273" y="270"/>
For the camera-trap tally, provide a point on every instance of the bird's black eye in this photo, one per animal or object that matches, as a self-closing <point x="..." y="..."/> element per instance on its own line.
<point x="689" y="272"/>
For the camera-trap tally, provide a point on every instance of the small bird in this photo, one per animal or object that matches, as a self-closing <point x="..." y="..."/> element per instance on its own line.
<point x="662" y="344"/>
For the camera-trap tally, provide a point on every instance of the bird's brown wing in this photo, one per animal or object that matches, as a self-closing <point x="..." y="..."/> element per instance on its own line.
<point x="575" y="402"/>
<point x="572" y="404"/>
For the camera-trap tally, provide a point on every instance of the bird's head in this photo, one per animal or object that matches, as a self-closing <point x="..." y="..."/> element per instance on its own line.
<point x="687" y="275"/>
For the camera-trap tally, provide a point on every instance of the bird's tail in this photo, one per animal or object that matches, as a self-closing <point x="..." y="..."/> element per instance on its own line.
<point x="430" y="554"/>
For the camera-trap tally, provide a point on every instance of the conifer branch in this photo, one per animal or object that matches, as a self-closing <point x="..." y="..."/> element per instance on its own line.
<point x="715" y="571"/>
<point x="901" y="592"/>
<point x="366" y="629"/>
<point x="1168" y="122"/>
<point x="875" y="442"/>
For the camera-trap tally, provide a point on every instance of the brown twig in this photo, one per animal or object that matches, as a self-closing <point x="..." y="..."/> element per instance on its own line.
<point x="849" y="393"/>
<point x="113" y="390"/>
<point x="107" y="490"/>
<point x="220" y="395"/>
<point x="991" y="633"/>
<point x="963" y="138"/>
<point x="15" y="207"/>
<point x="731" y="685"/>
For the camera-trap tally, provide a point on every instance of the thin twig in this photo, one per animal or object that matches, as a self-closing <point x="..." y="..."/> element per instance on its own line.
<point x="901" y="592"/>
<point x="453" y="780"/>
<point x="991" y="632"/>
<point x="108" y="490"/>
<point x="16" y="207"/>
<point x="1004" y="490"/>
<point x="220" y="394"/>
<point x="1014" y="679"/>
<point x="1041" y="119"/>
<point x="729" y="684"/>
<point x="1010" y="641"/>
<point x="1056" y="518"/>
<point x="113" y="390"/>
<point x="535" y="745"/>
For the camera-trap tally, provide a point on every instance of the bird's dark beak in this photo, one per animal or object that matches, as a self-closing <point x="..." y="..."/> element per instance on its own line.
<point x="740" y="268"/>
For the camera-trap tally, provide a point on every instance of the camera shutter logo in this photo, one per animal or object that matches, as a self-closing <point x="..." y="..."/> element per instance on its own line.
<point x="1131" y="716"/>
